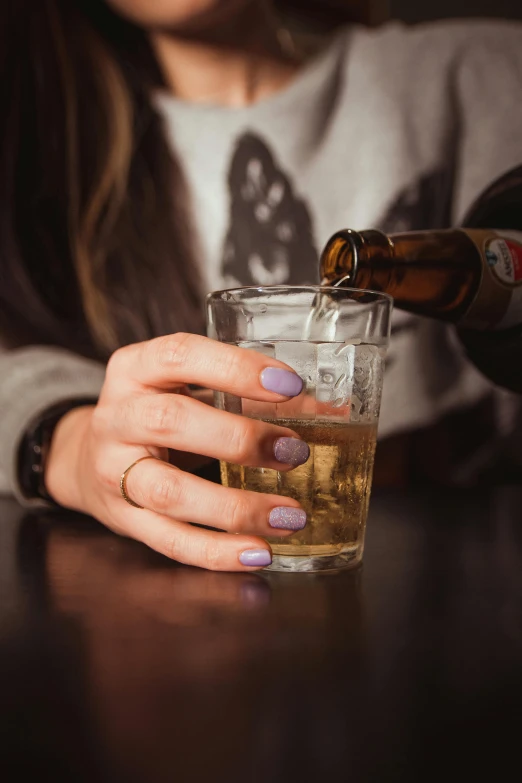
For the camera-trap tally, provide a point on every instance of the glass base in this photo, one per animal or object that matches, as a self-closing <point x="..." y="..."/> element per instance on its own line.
<point x="294" y="564"/>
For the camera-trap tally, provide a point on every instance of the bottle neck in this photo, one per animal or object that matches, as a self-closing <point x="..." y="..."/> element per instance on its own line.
<point x="471" y="276"/>
<point x="433" y="273"/>
<point x="348" y="252"/>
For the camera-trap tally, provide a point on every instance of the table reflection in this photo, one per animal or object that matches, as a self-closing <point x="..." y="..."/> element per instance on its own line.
<point x="205" y="667"/>
<point x="150" y="671"/>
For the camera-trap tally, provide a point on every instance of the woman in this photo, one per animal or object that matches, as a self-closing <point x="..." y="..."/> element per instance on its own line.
<point x="154" y="150"/>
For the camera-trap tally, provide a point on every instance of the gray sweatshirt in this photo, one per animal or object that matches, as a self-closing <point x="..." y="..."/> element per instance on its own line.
<point x="397" y="128"/>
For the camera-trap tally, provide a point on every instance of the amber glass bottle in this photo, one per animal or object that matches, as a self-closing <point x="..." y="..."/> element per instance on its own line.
<point x="470" y="276"/>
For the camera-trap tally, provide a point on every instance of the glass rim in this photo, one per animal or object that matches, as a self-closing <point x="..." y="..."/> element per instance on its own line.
<point x="380" y="296"/>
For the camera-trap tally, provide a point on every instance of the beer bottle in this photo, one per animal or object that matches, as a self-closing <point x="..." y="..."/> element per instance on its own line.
<point x="470" y="276"/>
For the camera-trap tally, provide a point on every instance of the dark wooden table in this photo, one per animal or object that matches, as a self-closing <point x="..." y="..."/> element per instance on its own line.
<point x="118" y="665"/>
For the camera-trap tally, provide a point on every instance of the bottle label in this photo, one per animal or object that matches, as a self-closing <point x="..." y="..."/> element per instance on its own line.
<point x="498" y="303"/>
<point x="504" y="257"/>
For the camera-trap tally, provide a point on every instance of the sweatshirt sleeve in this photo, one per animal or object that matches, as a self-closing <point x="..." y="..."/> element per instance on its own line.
<point x="31" y="380"/>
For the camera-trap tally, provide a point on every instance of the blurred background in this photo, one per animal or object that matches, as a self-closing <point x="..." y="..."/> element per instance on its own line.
<point x="331" y="12"/>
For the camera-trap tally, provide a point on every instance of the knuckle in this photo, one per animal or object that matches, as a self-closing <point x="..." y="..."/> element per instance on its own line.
<point x="235" y="365"/>
<point x="123" y="417"/>
<point x="236" y="512"/>
<point x="212" y="556"/>
<point x="118" y="362"/>
<point x="166" y="492"/>
<point x="157" y="416"/>
<point x="100" y="420"/>
<point x="173" y="349"/>
<point x="103" y="469"/>
<point x="166" y="415"/>
<point x="242" y="439"/>
<point x="183" y="550"/>
<point x="114" y="421"/>
<point x="172" y="548"/>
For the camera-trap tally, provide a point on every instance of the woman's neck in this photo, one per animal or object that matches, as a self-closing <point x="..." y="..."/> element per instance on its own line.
<point x="235" y="64"/>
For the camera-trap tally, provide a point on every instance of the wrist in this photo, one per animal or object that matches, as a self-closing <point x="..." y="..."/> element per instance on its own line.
<point x="63" y="470"/>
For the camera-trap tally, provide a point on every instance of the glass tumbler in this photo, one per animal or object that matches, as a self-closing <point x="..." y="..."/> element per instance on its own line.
<point x="335" y="339"/>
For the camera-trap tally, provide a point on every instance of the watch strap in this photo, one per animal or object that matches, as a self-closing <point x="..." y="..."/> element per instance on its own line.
<point x="35" y="446"/>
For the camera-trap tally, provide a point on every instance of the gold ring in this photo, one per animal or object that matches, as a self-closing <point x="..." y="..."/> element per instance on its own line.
<point x="123" y="481"/>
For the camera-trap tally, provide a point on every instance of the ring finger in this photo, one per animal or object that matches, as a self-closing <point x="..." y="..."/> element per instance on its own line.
<point x="171" y="492"/>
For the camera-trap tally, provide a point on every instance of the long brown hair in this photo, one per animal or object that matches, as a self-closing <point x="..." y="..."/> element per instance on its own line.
<point x="95" y="240"/>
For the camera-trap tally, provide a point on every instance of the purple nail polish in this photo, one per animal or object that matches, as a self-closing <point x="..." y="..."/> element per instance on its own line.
<point x="286" y="518"/>
<point x="291" y="451"/>
<point x="255" y="558"/>
<point x="281" y="381"/>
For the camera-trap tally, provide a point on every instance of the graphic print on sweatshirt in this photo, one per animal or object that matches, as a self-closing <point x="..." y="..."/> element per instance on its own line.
<point x="269" y="240"/>
<point x="424" y="204"/>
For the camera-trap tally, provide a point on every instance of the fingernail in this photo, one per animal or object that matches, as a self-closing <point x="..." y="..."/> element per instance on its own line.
<point x="255" y="557"/>
<point x="291" y="451"/>
<point x="281" y="381"/>
<point x="287" y="518"/>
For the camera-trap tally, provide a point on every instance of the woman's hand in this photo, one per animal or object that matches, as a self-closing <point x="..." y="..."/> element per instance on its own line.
<point x="144" y="409"/>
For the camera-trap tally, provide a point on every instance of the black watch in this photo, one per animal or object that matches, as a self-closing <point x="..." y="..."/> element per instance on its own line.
<point x="34" y="448"/>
